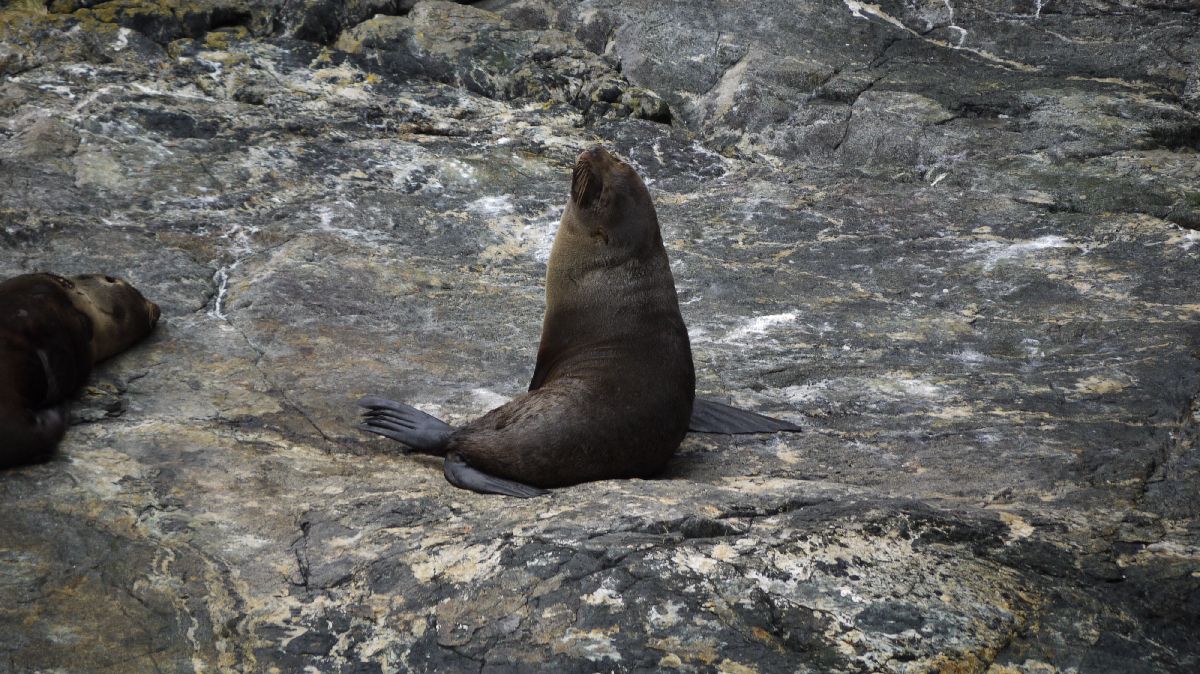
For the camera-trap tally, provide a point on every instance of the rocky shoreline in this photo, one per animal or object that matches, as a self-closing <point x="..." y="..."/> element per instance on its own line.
<point x="956" y="241"/>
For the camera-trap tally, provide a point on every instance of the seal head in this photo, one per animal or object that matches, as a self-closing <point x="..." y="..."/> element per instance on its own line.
<point x="120" y="315"/>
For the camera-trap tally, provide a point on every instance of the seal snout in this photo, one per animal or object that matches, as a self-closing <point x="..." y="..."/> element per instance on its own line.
<point x="155" y="312"/>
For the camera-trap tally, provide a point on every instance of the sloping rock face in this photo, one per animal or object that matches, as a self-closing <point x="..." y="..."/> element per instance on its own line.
<point x="955" y="240"/>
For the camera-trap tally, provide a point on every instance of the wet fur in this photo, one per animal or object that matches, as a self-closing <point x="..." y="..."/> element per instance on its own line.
<point x="53" y="330"/>
<point x="613" y="387"/>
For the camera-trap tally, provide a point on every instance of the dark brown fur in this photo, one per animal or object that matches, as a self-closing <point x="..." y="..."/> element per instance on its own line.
<point x="52" y="331"/>
<point x="613" y="387"/>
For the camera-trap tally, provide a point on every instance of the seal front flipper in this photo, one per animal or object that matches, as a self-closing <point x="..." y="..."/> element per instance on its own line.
<point x="460" y="474"/>
<point x="709" y="416"/>
<point x="422" y="432"/>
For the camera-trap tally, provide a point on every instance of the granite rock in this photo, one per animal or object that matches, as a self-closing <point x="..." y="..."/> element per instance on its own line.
<point x="481" y="52"/>
<point x="957" y="242"/>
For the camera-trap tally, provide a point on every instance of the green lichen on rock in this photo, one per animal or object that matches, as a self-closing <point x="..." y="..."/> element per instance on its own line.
<point x="482" y="52"/>
<point x="165" y="20"/>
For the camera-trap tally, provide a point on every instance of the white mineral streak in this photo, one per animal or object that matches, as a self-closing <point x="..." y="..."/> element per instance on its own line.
<point x="865" y="10"/>
<point x="122" y="40"/>
<point x="604" y="596"/>
<point x="759" y="325"/>
<point x="221" y="278"/>
<point x="595" y="644"/>
<point x="494" y="206"/>
<point x="488" y="400"/>
<point x="996" y="251"/>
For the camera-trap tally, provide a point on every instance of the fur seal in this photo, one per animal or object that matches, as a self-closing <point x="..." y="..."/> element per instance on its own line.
<point x="613" y="390"/>
<point x="52" y="331"/>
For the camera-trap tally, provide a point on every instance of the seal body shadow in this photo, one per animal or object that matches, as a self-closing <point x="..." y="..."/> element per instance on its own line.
<point x="613" y="388"/>
<point x="53" y="330"/>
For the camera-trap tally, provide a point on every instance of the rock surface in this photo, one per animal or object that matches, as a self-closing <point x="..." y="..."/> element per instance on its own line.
<point x="957" y="241"/>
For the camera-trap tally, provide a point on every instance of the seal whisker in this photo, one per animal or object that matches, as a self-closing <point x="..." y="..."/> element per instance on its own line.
<point x="585" y="184"/>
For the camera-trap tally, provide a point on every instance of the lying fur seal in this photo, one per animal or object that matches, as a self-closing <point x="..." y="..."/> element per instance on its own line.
<point x="52" y="331"/>
<point x="613" y="391"/>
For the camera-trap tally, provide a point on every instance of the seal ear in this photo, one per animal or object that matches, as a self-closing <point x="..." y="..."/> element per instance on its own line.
<point x="586" y="185"/>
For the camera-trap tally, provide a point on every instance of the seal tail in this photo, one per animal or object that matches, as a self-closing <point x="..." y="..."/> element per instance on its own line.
<point x="32" y="438"/>
<point x="709" y="416"/>
<point x="421" y="432"/>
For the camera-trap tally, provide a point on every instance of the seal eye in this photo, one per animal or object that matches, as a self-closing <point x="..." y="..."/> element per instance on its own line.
<point x="110" y="279"/>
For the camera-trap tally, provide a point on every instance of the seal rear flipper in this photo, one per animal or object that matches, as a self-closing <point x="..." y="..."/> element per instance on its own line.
<point x="460" y="474"/>
<point x="709" y="416"/>
<point x="31" y="440"/>
<point x="422" y="432"/>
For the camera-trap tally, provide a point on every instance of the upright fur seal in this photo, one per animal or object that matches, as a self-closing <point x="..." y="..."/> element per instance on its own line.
<point x="52" y="331"/>
<point x="613" y="391"/>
